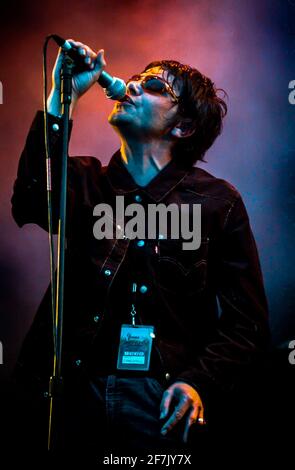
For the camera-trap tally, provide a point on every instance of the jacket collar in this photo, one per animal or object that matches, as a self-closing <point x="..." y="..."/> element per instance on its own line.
<point x="166" y="180"/>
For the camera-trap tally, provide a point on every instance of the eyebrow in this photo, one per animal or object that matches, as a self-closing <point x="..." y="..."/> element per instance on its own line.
<point x="144" y="74"/>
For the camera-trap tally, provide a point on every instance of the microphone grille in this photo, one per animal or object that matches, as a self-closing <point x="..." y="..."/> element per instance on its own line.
<point x="116" y="90"/>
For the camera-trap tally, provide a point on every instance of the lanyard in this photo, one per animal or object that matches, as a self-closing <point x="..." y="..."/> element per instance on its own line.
<point x="133" y="309"/>
<point x="133" y="312"/>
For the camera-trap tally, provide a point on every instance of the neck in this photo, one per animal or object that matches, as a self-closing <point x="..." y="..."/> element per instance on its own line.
<point x="144" y="160"/>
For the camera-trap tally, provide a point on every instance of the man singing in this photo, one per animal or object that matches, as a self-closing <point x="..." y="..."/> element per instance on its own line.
<point x="199" y="315"/>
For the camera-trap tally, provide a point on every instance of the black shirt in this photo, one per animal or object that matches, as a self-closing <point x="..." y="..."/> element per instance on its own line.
<point x="193" y="342"/>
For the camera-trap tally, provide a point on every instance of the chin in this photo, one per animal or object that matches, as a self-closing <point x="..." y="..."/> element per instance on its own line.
<point x="119" y="118"/>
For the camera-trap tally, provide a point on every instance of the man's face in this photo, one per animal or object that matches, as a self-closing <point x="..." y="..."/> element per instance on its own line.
<point x="150" y="114"/>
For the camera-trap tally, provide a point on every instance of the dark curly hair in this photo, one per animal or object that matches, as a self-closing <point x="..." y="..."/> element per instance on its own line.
<point x="200" y="104"/>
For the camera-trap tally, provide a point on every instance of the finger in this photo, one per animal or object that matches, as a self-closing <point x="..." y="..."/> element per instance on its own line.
<point x="178" y="413"/>
<point x="83" y="49"/>
<point x="79" y="46"/>
<point x="191" y="418"/>
<point x="94" y="59"/>
<point x="76" y="44"/>
<point x="85" y="52"/>
<point x="88" y="53"/>
<point x="100" y="58"/>
<point x="98" y="64"/>
<point x="200" y="420"/>
<point x="165" y="403"/>
<point x="88" y="60"/>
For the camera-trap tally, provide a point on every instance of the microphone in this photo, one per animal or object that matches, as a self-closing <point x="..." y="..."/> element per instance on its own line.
<point x="114" y="88"/>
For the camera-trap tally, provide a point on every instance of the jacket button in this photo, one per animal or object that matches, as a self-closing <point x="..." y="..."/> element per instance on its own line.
<point x="167" y="376"/>
<point x="96" y="318"/>
<point x="107" y="272"/>
<point x="143" y="289"/>
<point x="78" y="362"/>
<point x="55" y="127"/>
<point x="140" y="243"/>
<point x="138" y="198"/>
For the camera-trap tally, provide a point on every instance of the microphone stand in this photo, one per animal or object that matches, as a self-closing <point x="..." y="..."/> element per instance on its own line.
<point x="56" y="381"/>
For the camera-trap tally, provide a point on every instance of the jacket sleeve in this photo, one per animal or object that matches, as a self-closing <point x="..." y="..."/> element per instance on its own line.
<point x="29" y="200"/>
<point x="242" y="335"/>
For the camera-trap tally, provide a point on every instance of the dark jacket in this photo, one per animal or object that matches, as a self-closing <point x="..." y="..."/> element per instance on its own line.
<point x="208" y="305"/>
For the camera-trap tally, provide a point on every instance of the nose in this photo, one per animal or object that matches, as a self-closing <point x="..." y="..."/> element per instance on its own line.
<point x="134" y="88"/>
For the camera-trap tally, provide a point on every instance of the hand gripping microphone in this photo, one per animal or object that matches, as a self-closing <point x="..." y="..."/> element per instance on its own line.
<point x="114" y="88"/>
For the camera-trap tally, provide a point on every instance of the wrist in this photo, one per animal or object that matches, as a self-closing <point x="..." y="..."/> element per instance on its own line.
<point x="73" y="104"/>
<point x="53" y="102"/>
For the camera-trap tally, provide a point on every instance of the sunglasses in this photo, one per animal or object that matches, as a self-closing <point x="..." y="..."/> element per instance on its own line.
<point x="154" y="84"/>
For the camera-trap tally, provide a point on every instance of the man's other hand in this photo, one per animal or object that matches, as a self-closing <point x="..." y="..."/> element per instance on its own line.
<point x="187" y="403"/>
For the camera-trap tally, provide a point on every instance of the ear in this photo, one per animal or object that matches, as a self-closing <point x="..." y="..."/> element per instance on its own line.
<point x="183" y="129"/>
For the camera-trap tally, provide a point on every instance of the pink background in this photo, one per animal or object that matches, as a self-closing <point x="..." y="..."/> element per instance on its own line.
<point x="246" y="47"/>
